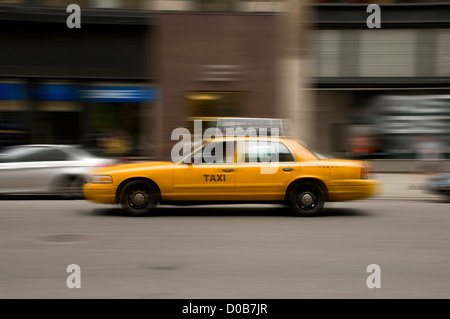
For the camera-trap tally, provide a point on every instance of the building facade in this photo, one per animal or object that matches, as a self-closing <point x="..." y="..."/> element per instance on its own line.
<point x="137" y="69"/>
<point x="213" y="65"/>
<point x="90" y="86"/>
<point x="388" y="87"/>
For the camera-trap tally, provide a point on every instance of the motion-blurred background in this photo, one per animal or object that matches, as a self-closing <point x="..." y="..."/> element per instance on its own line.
<point x="137" y="69"/>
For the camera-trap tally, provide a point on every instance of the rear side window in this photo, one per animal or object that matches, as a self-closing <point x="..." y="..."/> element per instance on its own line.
<point x="51" y="155"/>
<point x="41" y="154"/>
<point x="266" y="151"/>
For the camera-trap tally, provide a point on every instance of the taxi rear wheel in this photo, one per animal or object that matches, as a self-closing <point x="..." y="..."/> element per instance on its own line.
<point x="138" y="198"/>
<point x="307" y="199"/>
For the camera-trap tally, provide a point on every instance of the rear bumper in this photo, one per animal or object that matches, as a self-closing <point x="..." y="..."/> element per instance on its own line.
<point x="352" y="189"/>
<point x="100" y="193"/>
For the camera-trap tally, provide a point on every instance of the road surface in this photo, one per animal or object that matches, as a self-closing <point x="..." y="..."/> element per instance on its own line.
<point x="238" y="251"/>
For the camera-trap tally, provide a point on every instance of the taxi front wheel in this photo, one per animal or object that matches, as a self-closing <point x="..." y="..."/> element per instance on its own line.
<point x="138" y="198"/>
<point x="307" y="199"/>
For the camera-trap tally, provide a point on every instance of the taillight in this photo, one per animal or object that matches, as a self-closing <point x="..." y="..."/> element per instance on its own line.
<point x="364" y="171"/>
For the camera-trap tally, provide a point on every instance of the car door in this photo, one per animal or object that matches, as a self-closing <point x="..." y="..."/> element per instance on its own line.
<point x="259" y="179"/>
<point x="211" y="179"/>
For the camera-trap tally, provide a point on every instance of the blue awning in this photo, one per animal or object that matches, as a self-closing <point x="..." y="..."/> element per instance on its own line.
<point x="118" y="94"/>
<point x="70" y="92"/>
<point x="55" y="92"/>
<point x="12" y="91"/>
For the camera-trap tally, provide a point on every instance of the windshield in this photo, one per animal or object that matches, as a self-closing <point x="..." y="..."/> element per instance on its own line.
<point x="15" y="152"/>
<point x="39" y="153"/>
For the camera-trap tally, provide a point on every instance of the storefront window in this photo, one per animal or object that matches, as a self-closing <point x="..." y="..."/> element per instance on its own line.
<point x="215" y="104"/>
<point x="13" y="129"/>
<point x="115" y="129"/>
<point x="57" y="127"/>
<point x="217" y="5"/>
<point x="395" y="126"/>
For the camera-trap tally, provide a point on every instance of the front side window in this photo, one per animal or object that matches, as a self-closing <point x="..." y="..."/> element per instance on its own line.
<point x="218" y="153"/>
<point x="19" y="154"/>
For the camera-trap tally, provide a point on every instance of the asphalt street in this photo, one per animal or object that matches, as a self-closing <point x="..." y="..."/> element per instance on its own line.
<point x="238" y="251"/>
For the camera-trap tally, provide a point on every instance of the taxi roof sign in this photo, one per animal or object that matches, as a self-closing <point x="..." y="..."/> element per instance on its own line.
<point x="259" y="124"/>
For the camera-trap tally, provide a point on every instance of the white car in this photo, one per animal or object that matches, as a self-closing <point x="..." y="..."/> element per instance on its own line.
<point x="46" y="169"/>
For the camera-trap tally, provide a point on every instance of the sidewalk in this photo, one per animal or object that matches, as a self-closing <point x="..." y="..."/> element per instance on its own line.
<point x="403" y="186"/>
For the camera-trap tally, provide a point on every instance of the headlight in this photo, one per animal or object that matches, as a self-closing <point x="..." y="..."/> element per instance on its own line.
<point x="101" y="179"/>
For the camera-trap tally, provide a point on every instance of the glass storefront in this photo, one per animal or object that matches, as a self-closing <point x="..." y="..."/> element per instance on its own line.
<point x="115" y="128"/>
<point x="397" y="125"/>
<point x="116" y="121"/>
<point x="107" y="120"/>
<point x="14" y="117"/>
<point x="13" y="128"/>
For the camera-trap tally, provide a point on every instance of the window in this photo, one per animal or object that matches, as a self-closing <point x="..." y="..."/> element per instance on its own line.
<point x="216" y="5"/>
<point x="49" y="154"/>
<point x="13" y="126"/>
<point x="215" y="104"/>
<point x="266" y="151"/>
<point x="218" y="152"/>
<point x="35" y="154"/>
<point x="18" y="154"/>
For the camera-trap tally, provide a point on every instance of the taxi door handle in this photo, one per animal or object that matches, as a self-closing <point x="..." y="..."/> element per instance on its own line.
<point x="288" y="169"/>
<point x="228" y="170"/>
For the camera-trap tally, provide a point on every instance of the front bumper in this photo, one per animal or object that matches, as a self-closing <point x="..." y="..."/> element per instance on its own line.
<point x="100" y="193"/>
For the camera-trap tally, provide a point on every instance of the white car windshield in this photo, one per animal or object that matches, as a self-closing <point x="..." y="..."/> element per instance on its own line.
<point x="17" y="152"/>
<point x="43" y="153"/>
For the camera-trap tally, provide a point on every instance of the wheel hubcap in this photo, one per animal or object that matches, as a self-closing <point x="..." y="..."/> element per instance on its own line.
<point x="138" y="198"/>
<point x="307" y="199"/>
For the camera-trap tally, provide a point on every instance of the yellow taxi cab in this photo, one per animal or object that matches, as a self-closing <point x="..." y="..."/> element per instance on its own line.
<point x="243" y="170"/>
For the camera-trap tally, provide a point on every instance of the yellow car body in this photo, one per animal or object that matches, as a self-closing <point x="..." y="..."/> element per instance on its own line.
<point x="237" y="179"/>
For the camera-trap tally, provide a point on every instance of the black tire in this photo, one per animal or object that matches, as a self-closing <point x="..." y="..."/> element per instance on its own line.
<point x="138" y="198"/>
<point x="76" y="187"/>
<point x="307" y="199"/>
<point x="70" y="187"/>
